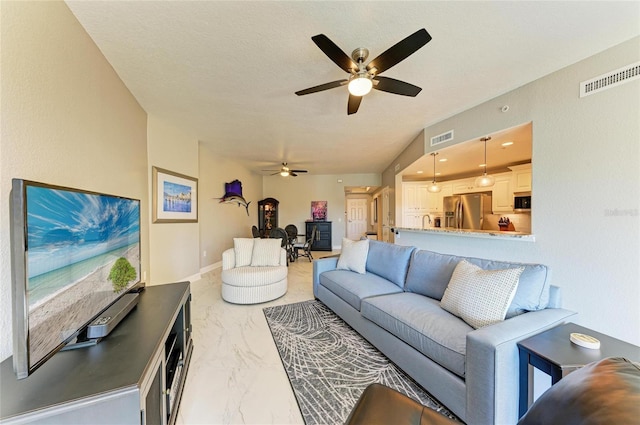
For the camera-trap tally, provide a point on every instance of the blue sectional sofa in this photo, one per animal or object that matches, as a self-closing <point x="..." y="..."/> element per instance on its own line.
<point x="395" y="305"/>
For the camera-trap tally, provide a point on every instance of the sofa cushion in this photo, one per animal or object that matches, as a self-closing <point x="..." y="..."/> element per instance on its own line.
<point x="430" y="272"/>
<point x="420" y="322"/>
<point x="243" y="249"/>
<point x="389" y="261"/>
<point x="266" y="252"/>
<point x="603" y="392"/>
<point x="353" y="287"/>
<point x="353" y="255"/>
<point x="248" y="276"/>
<point x="480" y="297"/>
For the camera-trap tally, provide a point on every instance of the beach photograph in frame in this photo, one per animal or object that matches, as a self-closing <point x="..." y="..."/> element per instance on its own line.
<point x="175" y="197"/>
<point x="74" y="242"/>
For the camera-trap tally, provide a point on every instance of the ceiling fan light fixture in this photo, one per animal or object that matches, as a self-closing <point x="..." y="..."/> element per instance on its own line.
<point x="360" y="84"/>
<point x="284" y="173"/>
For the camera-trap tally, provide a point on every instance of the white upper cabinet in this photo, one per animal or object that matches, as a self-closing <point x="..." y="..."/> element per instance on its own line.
<point x="467" y="186"/>
<point x="521" y="178"/>
<point x="502" y="195"/>
<point x="415" y="197"/>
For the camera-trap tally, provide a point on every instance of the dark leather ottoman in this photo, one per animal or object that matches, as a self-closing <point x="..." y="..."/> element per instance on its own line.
<point x="382" y="405"/>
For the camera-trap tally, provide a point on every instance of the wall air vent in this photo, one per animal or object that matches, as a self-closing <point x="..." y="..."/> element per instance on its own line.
<point x="441" y="138"/>
<point x="610" y="79"/>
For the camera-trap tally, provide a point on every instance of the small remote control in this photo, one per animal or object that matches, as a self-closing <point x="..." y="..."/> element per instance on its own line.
<point x="585" y="341"/>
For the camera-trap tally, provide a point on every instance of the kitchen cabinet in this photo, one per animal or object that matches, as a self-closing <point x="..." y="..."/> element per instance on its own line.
<point x="435" y="199"/>
<point x="521" y="178"/>
<point x="502" y="195"/>
<point x="412" y="220"/>
<point x="467" y="186"/>
<point x="415" y="197"/>
<point x="415" y="203"/>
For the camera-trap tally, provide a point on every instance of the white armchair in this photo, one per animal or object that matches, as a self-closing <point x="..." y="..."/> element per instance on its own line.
<point x="254" y="271"/>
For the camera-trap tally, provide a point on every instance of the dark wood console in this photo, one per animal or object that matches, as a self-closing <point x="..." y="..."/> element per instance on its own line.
<point x="134" y="376"/>
<point x="322" y="241"/>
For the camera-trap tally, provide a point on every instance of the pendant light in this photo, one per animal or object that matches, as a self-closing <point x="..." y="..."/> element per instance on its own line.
<point x="433" y="187"/>
<point x="485" y="180"/>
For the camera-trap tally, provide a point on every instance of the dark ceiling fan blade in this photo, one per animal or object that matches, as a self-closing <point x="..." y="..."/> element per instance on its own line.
<point x="298" y="171"/>
<point x="391" y="85"/>
<point x="353" y="104"/>
<point x="277" y="172"/>
<point x="334" y="53"/>
<point x="322" y="87"/>
<point x="292" y="174"/>
<point x="399" y="51"/>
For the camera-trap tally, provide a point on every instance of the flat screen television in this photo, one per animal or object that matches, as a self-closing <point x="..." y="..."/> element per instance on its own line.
<point x="74" y="253"/>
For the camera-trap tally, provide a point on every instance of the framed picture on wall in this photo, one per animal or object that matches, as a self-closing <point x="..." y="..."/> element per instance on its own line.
<point x="319" y="210"/>
<point x="175" y="197"/>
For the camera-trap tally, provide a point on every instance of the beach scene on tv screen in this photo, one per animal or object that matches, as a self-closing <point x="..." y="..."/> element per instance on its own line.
<point x="83" y="253"/>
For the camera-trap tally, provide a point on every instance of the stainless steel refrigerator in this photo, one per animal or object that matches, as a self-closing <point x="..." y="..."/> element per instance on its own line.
<point x="467" y="211"/>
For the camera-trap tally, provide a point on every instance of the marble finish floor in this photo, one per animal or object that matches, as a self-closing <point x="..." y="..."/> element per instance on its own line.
<point x="236" y="375"/>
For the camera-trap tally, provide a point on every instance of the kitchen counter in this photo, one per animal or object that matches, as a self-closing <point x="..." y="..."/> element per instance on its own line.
<point x="487" y="234"/>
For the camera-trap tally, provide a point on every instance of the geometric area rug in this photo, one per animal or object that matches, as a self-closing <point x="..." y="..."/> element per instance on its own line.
<point x="329" y="364"/>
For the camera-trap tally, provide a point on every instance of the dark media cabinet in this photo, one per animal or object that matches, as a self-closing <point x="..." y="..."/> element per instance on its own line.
<point x="134" y="376"/>
<point x="322" y="241"/>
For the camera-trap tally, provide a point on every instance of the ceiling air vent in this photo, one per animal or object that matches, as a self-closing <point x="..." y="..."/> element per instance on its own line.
<point x="441" y="138"/>
<point x="610" y="79"/>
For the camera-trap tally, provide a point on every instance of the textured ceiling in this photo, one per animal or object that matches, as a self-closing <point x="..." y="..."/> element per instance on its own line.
<point x="226" y="72"/>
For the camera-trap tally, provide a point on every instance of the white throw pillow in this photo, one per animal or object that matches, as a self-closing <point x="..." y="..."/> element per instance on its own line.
<point x="243" y="249"/>
<point x="354" y="255"/>
<point x="480" y="297"/>
<point x="266" y="252"/>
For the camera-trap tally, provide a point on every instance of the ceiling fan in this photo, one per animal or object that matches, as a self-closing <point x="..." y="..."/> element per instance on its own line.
<point x="285" y="171"/>
<point x="364" y="78"/>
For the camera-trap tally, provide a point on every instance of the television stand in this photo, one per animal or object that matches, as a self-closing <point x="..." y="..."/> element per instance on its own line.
<point x="135" y="375"/>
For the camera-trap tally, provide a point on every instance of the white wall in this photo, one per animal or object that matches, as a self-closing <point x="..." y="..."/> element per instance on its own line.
<point x="67" y="119"/>
<point x="173" y="246"/>
<point x="586" y="187"/>
<point x="221" y="222"/>
<point x="296" y="193"/>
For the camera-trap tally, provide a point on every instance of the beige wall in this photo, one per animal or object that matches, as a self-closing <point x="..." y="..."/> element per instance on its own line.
<point x="221" y="222"/>
<point x="67" y="119"/>
<point x="586" y="186"/>
<point x="173" y="246"/>
<point x="296" y="193"/>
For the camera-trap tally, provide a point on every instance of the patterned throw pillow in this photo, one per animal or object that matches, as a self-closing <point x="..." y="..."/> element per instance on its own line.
<point x="353" y="255"/>
<point x="243" y="249"/>
<point x="480" y="297"/>
<point x="266" y="252"/>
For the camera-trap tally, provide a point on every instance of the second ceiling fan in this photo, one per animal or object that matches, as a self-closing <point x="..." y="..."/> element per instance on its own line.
<point x="285" y="171"/>
<point x="364" y="78"/>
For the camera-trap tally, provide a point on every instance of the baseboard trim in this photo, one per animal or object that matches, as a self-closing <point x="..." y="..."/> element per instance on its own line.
<point x="191" y="278"/>
<point x="211" y="267"/>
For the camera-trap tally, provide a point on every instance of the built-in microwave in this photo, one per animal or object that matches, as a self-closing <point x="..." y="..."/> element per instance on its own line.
<point x="522" y="202"/>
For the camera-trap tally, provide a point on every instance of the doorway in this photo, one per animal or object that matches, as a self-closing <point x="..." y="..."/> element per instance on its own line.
<point x="356" y="218"/>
